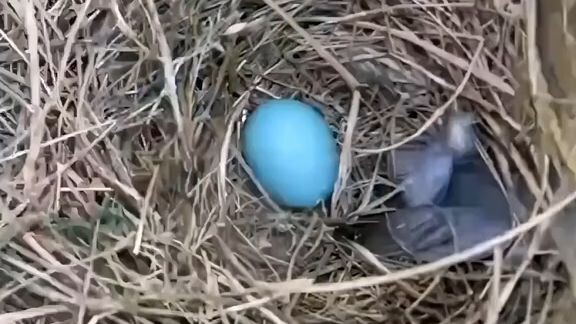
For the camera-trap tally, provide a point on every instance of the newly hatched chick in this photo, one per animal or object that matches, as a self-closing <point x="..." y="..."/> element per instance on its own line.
<point x="423" y="170"/>
<point x="451" y="199"/>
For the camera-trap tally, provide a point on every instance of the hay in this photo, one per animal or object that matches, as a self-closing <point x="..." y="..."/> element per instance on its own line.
<point x="124" y="199"/>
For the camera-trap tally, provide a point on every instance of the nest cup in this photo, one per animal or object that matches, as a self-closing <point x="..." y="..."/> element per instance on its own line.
<point x="134" y="204"/>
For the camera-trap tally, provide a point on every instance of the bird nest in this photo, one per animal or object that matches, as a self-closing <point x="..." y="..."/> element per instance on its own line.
<point x="124" y="197"/>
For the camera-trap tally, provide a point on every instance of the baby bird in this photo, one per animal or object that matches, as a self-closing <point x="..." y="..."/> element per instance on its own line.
<point x="450" y="199"/>
<point x="423" y="169"/>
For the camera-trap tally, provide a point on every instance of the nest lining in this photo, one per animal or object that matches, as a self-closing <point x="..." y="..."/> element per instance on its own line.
<point x="134" y="204"/>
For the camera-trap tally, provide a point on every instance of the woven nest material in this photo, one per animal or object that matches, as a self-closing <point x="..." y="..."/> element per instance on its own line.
<point x="124" y="198"/>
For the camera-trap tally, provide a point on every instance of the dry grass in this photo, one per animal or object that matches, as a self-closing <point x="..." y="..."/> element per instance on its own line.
<point x="123" y="197"/>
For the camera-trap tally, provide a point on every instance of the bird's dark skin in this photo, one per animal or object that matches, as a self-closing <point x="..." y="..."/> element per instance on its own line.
<point x="461" y="210"/>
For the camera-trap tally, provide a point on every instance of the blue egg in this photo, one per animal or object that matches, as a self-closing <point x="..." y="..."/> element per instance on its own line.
<point x="292" y="152"/>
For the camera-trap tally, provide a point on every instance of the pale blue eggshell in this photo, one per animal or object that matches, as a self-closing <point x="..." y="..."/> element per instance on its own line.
<point x="292" y="152"/>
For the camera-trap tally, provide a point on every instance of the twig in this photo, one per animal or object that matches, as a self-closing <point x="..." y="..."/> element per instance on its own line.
<point x="38" y="114"/>
<point x="30" y="313"/>
<point x="144" y="210"/>
<point x="168" y="64"/>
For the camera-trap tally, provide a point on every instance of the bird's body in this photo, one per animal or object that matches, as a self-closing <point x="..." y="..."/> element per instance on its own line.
<point x="451" y="200"/>
<point x="473" y="209"/>
<point x="424" y="173"/>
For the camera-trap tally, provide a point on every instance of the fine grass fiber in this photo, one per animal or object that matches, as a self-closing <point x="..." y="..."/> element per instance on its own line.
<point x="124" y="197"/>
